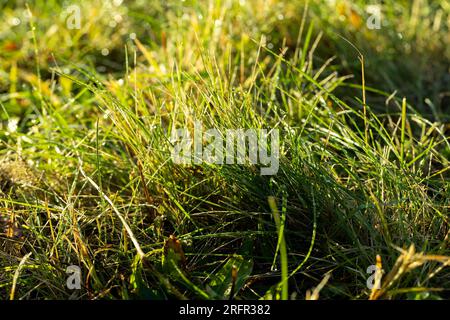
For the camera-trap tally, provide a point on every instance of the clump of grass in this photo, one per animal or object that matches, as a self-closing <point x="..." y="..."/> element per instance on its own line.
<point x="362" y="171"/>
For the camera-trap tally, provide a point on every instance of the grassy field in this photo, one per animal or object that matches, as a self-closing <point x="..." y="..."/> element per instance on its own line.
<point x="91" y="94"/>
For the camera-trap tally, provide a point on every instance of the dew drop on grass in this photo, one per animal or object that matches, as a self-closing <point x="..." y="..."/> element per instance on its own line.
<point x="15" y="21"/>
<point x="13" y="124"/>
<point x="105" y="52"/>
<point x="118" y="18"/>
<point x="106" y="114"/>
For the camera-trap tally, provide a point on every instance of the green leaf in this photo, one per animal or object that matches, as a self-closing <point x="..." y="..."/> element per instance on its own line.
<point x="222" y="281"/>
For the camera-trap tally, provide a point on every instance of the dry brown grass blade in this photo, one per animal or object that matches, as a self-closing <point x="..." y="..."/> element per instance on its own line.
<point x="119" y="215"/>
<point x="316" y="291"/>
<point x="378" y="277"/>
<point x="406" y="262"/>
<point x="16" y="276"/>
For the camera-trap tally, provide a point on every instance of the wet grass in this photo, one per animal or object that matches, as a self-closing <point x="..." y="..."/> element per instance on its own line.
<point x="87" y="178"/>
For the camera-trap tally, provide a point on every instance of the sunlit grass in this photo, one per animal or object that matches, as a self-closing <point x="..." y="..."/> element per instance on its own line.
<point x="87" y="178"/>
